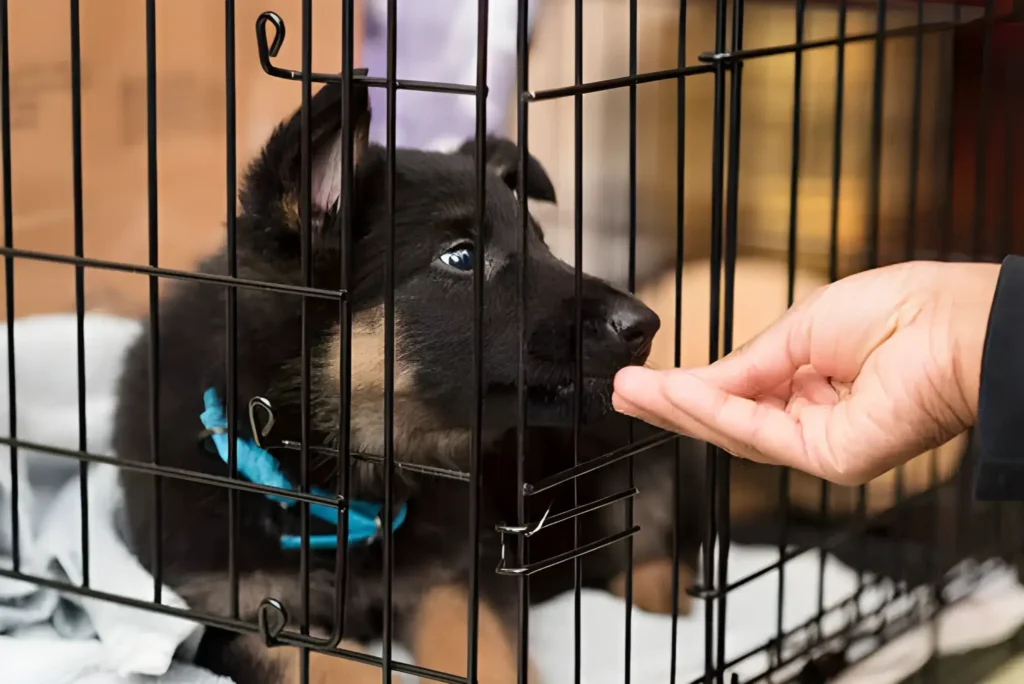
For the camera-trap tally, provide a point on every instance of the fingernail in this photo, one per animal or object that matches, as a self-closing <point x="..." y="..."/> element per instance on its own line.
<point x="623" y="406"/>
<point x="632" y="379"/>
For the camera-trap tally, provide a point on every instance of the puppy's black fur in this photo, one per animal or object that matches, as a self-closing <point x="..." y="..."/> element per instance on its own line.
<point x="434" y="398"/>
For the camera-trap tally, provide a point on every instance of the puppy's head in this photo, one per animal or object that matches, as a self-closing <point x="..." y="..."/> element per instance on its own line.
<point x="435" y="259"/>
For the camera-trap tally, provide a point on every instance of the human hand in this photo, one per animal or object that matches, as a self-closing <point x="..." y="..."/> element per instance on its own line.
<point x="861" y="376"/>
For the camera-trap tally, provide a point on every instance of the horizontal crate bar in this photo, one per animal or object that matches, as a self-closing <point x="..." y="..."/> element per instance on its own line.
<point x="546" y="521"/>
<point x="598" y="463"/>
<point x="618" y="82"/>
<point x="885" y="636"/>
<point x="240" y="626"/>
<point x="533" y="568"/>
<point x="793" y="48"/>
<point x="421" y="86"/>
<point x="832" y="541"/>
<point x="174" y="473"/>
<point x="173" y="274"/>
<point x="591" y="507"/>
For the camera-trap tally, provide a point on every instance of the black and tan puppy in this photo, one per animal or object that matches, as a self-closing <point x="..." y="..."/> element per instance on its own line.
<point x="433" y="405"/>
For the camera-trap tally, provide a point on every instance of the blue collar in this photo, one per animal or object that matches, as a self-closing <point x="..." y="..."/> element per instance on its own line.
<point x="259" y="467"/>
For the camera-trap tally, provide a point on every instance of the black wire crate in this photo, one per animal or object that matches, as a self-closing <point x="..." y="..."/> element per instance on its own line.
<point x="827" y="579"/>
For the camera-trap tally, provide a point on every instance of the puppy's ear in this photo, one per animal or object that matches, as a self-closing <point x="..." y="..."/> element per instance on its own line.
<point x="273" y="184"/>
<point x="503" y="159"/>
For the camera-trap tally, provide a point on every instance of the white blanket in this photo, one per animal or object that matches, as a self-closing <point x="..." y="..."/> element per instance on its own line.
<point x="60" y="638"/>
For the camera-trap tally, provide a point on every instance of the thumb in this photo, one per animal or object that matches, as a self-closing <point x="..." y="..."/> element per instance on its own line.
<point x="766" y="361"/>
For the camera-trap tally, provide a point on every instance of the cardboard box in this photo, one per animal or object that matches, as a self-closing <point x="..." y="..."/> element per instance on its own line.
<point x="192" y="197"/>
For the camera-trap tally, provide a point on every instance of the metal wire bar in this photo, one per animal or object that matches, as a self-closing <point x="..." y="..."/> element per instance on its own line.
<point x="945" y="222"/>
<point x="285" y="638"/>
<point x="593" y="464"/>
<point x="76" y="172"/>
<point x="833" y="250"/>
<point x="843" y="632"/>
<point x="306" y="337"/>
<point x="911" y="234"/>
<point x="792" y="48"/>
<point x="619" y="82"/>
<point x="389" y="353"/>
<point x="173" y="274"/>
<point x="231" y="304"/>
<point x="172" y="473"/>
<point x="154" y="300"/>
<point x="794" y="194"/>
<point x="830" y="542"/>
<point x="476" y="443"/>
<point x="528" y="569"/>
<point x="522" y="123"/>
<point x="1011" y="135"/>
<point x="631" y="285"/>
<point x="712" y="453"/>
<point x="341" y="565"/>
<point x="677" y="333"/>
<point x="578" y="329"/>
<point x="874" y="216"/>
<point x="979" y="223"/>
<point x="12" y="394"/>
<point x="731" y="238"/>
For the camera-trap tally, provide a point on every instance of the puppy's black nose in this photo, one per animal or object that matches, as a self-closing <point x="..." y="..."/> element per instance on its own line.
<point x="636" y="326"/>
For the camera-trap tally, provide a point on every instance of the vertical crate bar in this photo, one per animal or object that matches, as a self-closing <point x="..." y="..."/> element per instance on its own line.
<point x="306" y="257"/>
<point x="874" y="220"/>
<point x="833" y="256"/>
<point x="341" y="566"/>
<point x="678" y="332"/>
<point x="522" y="123"/>
<point x="979" y="222"/>
<point x="731" y="238"/>
<point x="389" y="350"/>
<point x="231" y="313"/>
<point x="794" y="195"/>
<point x="154" y="300"/>
<point x="5" y="141"/>
<point x="945" y="201"/>
<point x="631" y="277"/>
<point x="577" y="327"/>
<point x="717" y="167"/>
<point x="472" y="620"/>
<point x="76" y="172"/>
<point x="911" y="234"/>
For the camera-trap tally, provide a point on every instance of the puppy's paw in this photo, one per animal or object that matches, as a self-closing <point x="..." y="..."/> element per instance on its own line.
<point x="652" y="586"/>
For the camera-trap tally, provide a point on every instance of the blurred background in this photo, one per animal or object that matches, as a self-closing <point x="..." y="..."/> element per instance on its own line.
<point x="438" y="45"/>
<point x="191" y="147"/>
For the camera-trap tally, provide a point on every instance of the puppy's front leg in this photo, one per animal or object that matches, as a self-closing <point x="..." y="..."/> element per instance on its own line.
<point x="439" y="638"/>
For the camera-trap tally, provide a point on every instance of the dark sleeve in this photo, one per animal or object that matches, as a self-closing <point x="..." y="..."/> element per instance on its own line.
<point x="1000" y="428"/>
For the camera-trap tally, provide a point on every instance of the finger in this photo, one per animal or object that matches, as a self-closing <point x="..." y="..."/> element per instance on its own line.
<point x="629" y="409"/>
<point x="763" y="427"/>
<point x="658" y="407"/>
<point x="765" y="362"/>
<point x="758" y="431"/>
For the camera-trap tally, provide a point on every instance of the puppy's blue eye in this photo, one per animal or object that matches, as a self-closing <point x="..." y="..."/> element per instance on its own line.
<point x="461" y="259"/>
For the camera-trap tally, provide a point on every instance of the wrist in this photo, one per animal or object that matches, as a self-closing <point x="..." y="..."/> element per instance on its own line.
<point x="972" y="290"/>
